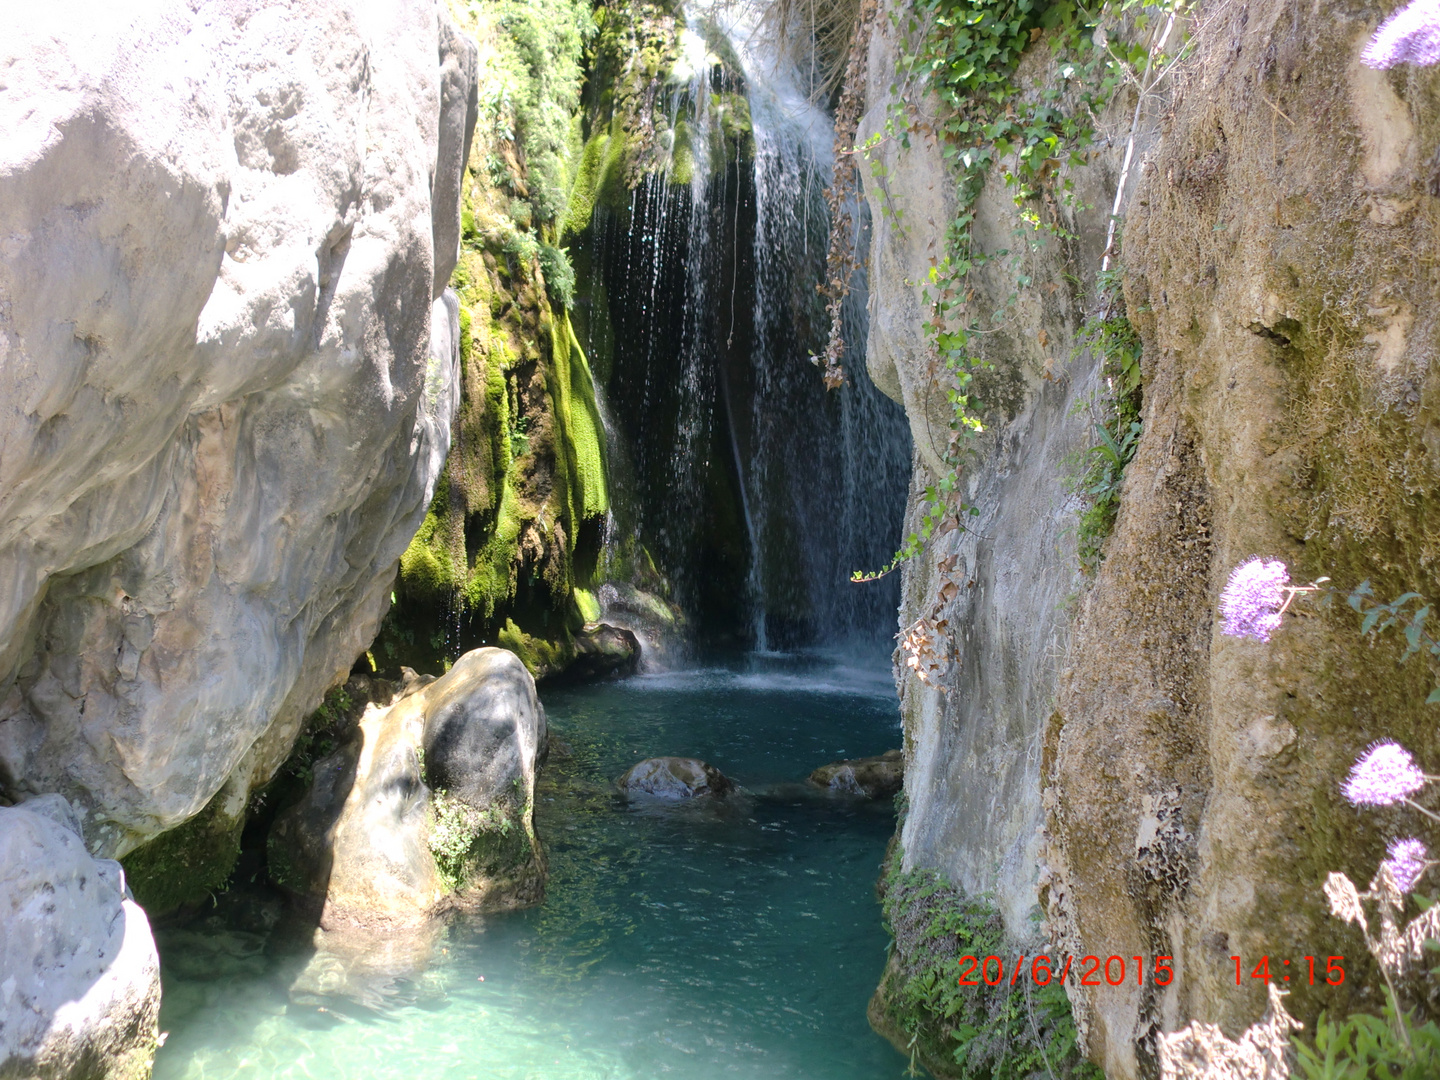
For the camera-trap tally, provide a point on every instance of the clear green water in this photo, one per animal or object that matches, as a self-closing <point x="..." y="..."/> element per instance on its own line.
<point x="722" y="941"/>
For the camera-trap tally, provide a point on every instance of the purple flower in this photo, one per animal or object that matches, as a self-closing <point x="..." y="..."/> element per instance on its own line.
<point x="1251" y="600"/>
<point x="1406" y="862"/>
<point x="1410" y="36"/>
<point x="1382" y="776"/>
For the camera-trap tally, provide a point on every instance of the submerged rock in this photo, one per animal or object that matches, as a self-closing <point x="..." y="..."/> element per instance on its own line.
<point x="377" y="841"/>
<point x="878" y="777"/>
<point x="675" y="778"/>
<point x="79" y="975"/>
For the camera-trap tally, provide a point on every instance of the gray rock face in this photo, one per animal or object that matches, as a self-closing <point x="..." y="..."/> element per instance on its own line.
<point x="483" y="728"/>
<point x="376" y="847"/>
<point x="227" y="373"/>
<point x="79" y="975"/>
<point x="974" y="785"/>
<point x="879" y="777"/>
<point x="674" y="778"/>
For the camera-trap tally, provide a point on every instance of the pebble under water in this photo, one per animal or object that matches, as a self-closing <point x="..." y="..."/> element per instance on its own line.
<point x="740" y="938"/>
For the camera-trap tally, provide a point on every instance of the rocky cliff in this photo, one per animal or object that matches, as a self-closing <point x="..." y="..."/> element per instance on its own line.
<point x="229" y="368"/>
<point x="1098" y="754"/>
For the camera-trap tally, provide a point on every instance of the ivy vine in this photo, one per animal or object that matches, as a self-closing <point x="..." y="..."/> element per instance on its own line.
<point x="967" y="52"/>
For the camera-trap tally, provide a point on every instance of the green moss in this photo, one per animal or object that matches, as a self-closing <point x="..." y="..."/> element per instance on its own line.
<point x="587" y="605"/>
<point x="542" y="657"/>
<point x="1000" y="1032"/>
<point x="589" y="176"/>
<point x="187" y="864"/>
<point x="426" y="572"/>
<point x="585" y="431"/>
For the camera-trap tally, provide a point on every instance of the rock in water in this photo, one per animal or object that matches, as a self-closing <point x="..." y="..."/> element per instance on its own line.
<point x="869" y="777"/>
<point x="675" y="778"/>
<point x="228" y="368"/>
<point x="604" y="651"/>
<point x="79" y="976"/>
<point x="377" y="843"/>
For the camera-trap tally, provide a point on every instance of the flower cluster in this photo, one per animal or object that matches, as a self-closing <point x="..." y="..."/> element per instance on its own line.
<point x="1252" y="605"/>
<point x="1406" y="860"/>
<point x="1384" y="775"/>
<point x="1410" y="36"/>
<point x="1254" y="598"/>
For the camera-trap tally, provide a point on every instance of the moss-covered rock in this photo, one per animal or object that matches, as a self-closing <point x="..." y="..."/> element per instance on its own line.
<point x="184" y="866"/>
<point x="527" y="469"/>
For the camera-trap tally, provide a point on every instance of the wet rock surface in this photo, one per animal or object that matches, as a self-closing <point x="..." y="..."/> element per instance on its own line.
<point x="879" y="777"/>
<point x="675" y="778"/>
<point x="604" y="652"/>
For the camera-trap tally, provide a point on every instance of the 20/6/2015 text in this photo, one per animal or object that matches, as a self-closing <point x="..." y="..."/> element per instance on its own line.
<point x="992" y="970"/>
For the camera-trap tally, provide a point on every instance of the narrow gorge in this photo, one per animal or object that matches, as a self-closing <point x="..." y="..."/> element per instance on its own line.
<point x="578" y="538"/>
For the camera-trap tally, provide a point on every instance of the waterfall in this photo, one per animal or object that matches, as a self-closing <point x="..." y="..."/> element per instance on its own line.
<point x="756" y="489"/>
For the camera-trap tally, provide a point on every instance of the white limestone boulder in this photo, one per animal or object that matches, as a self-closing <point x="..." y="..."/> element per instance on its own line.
<point x="227" y="373"/>
<point x="79" y="976"/>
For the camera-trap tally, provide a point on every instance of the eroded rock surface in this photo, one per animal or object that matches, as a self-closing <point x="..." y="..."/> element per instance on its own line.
<point x="1158" y="788"/>
<point x="674" y="778"/>
<point x="79" y="975"/>
<point x="227" y="374"/>
<point x="377" y="842"/>
<point x="1280" y="279"/>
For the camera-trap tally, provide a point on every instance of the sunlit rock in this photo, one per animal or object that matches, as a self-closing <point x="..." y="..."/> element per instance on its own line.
<point x="675" y="778"/>
<point x="227" y="374"/>
<point x="427" y="807"/>
<point x="79" y="977"/>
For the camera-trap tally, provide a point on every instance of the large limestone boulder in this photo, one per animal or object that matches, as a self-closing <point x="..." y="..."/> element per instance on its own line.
<point x="377" y="842"/>
<point x="227" y="374"/>
<point x="79" y="975"/>
<point x="483" y="729"/>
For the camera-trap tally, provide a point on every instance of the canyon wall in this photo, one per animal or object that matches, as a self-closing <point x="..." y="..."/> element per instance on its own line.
<point x="228" y="366"/>
<point x="1100" y="755"/>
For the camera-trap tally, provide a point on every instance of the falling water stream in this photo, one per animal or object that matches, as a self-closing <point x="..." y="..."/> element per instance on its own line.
<point x="758" y="490"/>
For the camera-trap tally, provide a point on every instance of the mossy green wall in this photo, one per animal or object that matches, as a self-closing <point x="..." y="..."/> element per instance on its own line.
<point x="528" y="464"/>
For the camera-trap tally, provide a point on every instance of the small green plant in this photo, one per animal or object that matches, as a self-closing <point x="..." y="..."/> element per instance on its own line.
<point x="1108" y="335"/>
<point x="559" y="273"/>
<point x="456" y="827"/>
<point x="1000" y="1032"/>
<point x="1365" y="1047"/>
<point x="520" y="437"/>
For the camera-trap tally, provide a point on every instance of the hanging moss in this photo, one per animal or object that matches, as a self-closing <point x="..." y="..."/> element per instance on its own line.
<point x="186" y="865"/>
